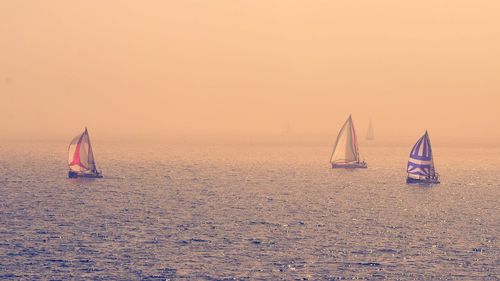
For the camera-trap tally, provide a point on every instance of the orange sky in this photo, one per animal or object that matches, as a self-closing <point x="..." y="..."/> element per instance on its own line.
<point x="235" y="67"/>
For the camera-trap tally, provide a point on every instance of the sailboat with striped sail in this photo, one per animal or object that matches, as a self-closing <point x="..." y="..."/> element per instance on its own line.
<point x="346" y="150"/>
<point x="81" y="161"/>
<point x="420" y="166"/>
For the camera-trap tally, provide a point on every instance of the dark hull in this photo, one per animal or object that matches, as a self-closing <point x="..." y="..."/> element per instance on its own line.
<point x="421" y="181"/>
<point x="350" y="166"/>
<point x="74" y="175"/>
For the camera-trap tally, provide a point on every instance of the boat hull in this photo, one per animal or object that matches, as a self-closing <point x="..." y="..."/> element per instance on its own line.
<point x="361" y="165"/>
<point x="74" y="175"/>
<point x="422" y="181"/>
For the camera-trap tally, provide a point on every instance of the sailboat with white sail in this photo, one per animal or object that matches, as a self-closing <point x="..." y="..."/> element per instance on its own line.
<point x="346" y="149"/>
<point x="370" y="135"/>
<point x="81" y="161"/>
<point x="420" y="166"/>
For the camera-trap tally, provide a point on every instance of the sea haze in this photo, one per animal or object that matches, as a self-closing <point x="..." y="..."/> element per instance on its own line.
<point x="249" y="212"/>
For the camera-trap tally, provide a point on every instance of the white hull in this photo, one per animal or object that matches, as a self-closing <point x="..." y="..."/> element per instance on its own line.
<point x="361" y="165"/>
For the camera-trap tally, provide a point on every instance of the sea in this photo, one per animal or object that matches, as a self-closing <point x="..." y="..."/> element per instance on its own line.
<point x="246" y="211"/>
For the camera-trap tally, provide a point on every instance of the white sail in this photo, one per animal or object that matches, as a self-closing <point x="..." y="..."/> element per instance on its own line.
<point x="80" y="155"/>
<point x="346" y="149"/>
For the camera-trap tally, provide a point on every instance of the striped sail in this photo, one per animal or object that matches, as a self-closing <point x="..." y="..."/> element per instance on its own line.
<point x="421" y="163"/>
<point x="80" y="155"/>
<point x="346" y="149"/>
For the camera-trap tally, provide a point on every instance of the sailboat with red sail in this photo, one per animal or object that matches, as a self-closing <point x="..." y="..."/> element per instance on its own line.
<point x="81" y="161"/>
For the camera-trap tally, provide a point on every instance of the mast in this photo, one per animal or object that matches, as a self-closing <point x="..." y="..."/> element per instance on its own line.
<point x="432" y="170"/>
<point x="354" y="139"/>
<point x="91" y="159"/>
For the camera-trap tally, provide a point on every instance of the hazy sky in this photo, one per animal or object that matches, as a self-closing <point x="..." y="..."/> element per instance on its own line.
<point x="234" y="67"/>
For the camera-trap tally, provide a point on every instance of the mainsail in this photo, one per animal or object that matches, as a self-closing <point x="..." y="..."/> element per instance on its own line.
<point x="80" y="155"/>
<point x="370" y="135"/>
<point x="346" y="149"/>
<point x="421" y="163"/>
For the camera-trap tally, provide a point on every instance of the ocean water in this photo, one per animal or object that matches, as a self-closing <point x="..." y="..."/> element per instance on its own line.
<point x="246" y="212"/>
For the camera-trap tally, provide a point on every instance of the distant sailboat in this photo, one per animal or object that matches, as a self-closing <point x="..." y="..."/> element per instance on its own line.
<point x="421" y="163"/>
<point x="288" y="129"/>
<point x="370" y="135"/>
<point x="81" y="160"/>
<point x="346" y="151"/>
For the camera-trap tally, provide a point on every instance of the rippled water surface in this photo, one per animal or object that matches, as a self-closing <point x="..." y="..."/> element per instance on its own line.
<point x="246" y="212"/>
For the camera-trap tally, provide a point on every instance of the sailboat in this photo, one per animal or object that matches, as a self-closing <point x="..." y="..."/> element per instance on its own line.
<point x="288" y="129"/>
<point x="421" y="163"/>
<point x="370" y="135"/>
<point x="346" y="151"/>
<point x="81" y="160"/>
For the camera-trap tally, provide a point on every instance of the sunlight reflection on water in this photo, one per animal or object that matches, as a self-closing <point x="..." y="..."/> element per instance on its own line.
<point x="246" y="212"/>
